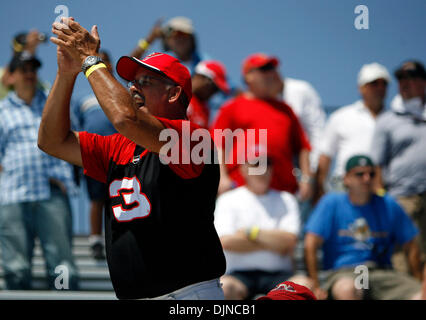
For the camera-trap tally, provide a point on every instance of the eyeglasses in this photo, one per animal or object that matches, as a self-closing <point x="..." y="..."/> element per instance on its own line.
<point x="146" y="81"/>
<point x="361" y="174"/>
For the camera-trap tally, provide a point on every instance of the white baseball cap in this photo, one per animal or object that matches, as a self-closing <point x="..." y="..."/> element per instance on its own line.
<point x="371" y="72"/>
<point x="182" y="24"/>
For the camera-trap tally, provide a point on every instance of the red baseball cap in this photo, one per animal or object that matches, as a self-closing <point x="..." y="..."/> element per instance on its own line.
<point x="258" y="60"/>
<point x="215" y="71"/>
<point x="162" y="63"/>
<point x="288" y="290"/>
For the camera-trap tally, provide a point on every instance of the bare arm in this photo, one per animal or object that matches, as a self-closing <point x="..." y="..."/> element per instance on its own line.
<point x="278" y="241"/>
<point x="55" y="136"/>
<point x="239" y="242"/>
<point x="139" y="126"/>
<point x="306" y="187"/>
<point x="312" y="244"/>
<point x="155" y="33"/>
<point x="412" y="252"/>
<point x="324" y="163"/>
<point x="378" y="181"/>
<point x="225" y="183"/>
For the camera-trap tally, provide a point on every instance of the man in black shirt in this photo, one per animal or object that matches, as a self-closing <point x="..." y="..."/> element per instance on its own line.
<point x="159" y="231"/>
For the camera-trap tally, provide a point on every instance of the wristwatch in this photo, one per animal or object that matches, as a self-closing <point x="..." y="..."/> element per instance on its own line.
<point x="90" y="61"/>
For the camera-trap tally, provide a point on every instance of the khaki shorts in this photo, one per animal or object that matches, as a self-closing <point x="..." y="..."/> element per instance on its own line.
<point x="383" y="284"/>
<point x="415" y="207"/>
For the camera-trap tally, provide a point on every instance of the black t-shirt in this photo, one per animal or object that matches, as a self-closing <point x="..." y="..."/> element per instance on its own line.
<point x="159" y="227"/>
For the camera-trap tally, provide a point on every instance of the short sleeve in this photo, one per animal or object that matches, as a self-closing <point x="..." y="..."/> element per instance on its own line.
<point x="315" y="115"/>
<point x="329" y="142"/>
<point x="224" y="216"/>
<point x="321" y="220"/>
<point x="300" y="138"/>
<point x="97" y="151"/>
<point x="380" y="143"/>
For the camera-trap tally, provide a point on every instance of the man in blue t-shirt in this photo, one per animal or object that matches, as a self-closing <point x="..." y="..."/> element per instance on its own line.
<point x="360" y="228"/>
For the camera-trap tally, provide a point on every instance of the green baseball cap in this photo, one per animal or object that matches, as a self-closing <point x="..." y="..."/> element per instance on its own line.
<point x="358" y="161"/>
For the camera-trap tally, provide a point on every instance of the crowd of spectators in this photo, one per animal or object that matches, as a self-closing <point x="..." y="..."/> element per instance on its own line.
<point x="352" y="184"/>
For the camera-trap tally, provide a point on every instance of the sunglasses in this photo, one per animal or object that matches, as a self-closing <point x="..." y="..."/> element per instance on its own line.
<point x="146" y="81"/>
<point x="267" y="67"/>
<point x="408" y="74"/>
<point x="28" y="69"/>
<point x="361" y="174"/>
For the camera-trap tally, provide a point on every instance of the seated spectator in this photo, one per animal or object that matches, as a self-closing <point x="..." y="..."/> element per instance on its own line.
<point x="349" y="129"/>
<point x="398" y="148"/>
<point x="258" y="229"/>
<point x="208" y="79"/>
<point x="91" y="118"/>
<point x="361" y="228"/>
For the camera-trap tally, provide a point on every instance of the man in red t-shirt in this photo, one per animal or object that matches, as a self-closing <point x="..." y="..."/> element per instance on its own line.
<point x="259" y="108"/>
<point x="160" y="239"/>
<point x="208" y="79"/>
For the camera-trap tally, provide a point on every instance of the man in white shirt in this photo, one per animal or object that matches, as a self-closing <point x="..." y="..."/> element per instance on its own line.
<point x="349" y="130"/>
<point x="258" y="228"/>
<point x="306" y="103"/>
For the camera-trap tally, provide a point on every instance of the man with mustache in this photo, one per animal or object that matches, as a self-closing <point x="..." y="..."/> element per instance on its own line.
<point x="159" y="233"/>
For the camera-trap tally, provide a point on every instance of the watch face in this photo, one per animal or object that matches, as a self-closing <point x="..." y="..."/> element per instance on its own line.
<point x="91" y="59"/>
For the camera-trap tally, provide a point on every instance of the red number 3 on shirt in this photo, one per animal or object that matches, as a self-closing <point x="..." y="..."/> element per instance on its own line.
<point x="134" y="204"/>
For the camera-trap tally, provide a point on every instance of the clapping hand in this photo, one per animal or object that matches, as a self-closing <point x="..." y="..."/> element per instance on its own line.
<point x="74" y="44"/>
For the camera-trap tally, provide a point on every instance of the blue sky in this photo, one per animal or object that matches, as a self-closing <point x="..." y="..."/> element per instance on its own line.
<point x="315" y="40"/>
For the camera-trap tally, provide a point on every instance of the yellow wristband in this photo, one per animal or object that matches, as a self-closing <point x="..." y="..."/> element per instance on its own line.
<point x="143" y="44"/>
<point x="254" y="233"/>
<point x="93" y="68"/>
<point x="381" y="192"/>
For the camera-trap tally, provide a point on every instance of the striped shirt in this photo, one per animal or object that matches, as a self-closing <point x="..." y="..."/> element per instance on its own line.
<point x="26" y="169"/>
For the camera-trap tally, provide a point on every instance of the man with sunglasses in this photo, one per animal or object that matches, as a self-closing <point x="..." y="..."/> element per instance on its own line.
<point x="159" y="233"/>
<point x="34" y="186"/>
<point x="357" y="230"/>
<point x="399" y="145"/>
<point x="260" y="107"/>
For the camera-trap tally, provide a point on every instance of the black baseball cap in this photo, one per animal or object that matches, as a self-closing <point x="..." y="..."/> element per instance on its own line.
<point x="411" y="69"/>
<point x="22" y="58"/>
<point x="19" y="41"/>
